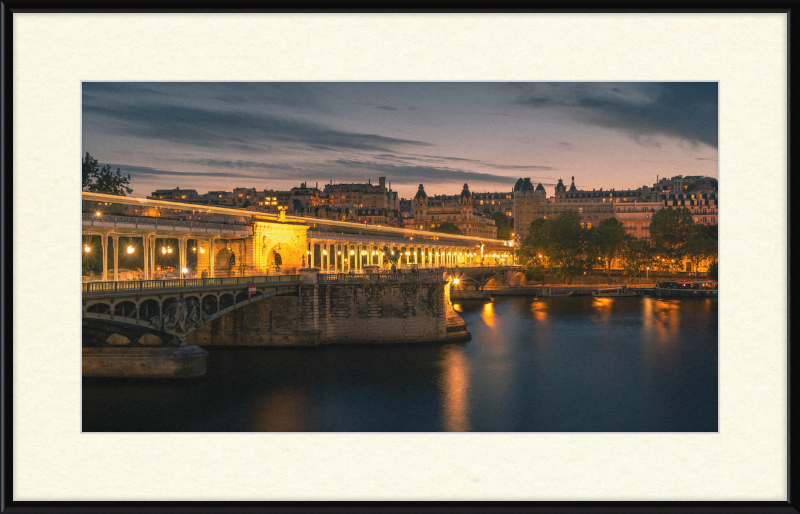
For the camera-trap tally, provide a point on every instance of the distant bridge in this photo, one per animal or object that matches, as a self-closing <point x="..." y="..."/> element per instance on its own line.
<point x="478" y="276"/>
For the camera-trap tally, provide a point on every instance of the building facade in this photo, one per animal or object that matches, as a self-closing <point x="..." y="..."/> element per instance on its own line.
<point x="430" y="213"/>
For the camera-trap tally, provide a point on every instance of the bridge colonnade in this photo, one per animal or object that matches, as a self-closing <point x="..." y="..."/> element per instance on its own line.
<point x="333" y="252"/>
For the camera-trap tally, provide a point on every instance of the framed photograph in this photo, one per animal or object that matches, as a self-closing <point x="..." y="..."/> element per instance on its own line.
<point x="396" y="259"/>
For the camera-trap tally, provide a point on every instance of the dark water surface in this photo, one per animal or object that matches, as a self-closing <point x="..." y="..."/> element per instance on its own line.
<point x="548" y="365"/>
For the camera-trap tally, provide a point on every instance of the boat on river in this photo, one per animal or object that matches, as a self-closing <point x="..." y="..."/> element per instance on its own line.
<point x="693" y="288"/>
<point x="614" y="292"/>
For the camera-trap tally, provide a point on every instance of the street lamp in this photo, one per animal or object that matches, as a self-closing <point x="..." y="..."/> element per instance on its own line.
<point x="87" y="248"/>
<point x="130" y="249"/>
<point x="183" y="272"/>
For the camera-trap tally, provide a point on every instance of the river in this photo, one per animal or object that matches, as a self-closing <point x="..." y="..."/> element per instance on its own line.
<point x="574" y="364"/>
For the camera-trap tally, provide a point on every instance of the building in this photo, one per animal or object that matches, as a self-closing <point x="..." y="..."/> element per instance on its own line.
<point x="363" y="195"/>
<point x="636" y="216"/>
<point x="177" y="194"/>
<point x="528" y="206"/>
<point x="703" y="206"/>
<point x="494" y="202"/>
<point x="430" y="213"/>
<point x="633" y="207"/>
<point x="680" y="184"/>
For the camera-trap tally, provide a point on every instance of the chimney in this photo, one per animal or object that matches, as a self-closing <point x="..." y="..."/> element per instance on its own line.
<point x="382" y="182"/>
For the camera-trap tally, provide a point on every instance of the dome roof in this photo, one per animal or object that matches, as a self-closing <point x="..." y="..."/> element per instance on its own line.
<point x="518" y="185"/>
<point x="465" y="191"/>
<point x="527" y="185"/>
<point x="539" y="187"/>
<point x="421" y="192"/>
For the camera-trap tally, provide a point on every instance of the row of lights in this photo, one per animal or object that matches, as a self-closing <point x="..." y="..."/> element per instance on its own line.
<point x="131" y="249"/>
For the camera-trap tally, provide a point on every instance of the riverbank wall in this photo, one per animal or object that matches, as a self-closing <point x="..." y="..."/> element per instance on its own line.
<point x="343" y="309"/>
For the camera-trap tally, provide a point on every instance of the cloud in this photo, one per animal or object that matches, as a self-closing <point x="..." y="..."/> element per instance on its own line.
<point x="407" y="174"/>
<point x="679" y="110"/>
<point x="228" y="127"/>
<point x="145" y="170"/>
<point x="387" y="108"/>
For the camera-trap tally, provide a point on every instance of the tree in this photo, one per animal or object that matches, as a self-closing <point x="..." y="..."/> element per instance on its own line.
<point x="533" y="251"/>
<point x="702" y="245"/>
<point x="712" y="270"/>
<point x="607" y="241"/>
<point x="504" y="224"/>
<point x="448" y="227"/>
<point x="635" y="255"/>
<point x="568" y="244"/>
<point x="671" y="228"/>
<point x="103" y="180"/>
<point x="90" y="170"/>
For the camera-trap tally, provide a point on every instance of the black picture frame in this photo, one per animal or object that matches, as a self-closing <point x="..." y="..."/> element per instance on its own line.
<point x="7" y="505"/>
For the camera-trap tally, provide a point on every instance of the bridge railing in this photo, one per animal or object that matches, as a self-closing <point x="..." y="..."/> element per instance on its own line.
<point x="181" y="283"/>
<point x="380" y="278"/>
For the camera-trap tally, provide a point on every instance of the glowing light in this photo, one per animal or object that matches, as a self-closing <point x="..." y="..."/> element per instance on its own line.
<point x="456" y="281"/>
<point x="184" y="270"/>
<point x="163" y="250"/>
<point x="169" y="250"/>
<point x="202" y="250"/>
<point x="130" y="249"/>
<point x="98" y="213"/>
<point x="87" y="249"/>
<point x="352" y="252"/>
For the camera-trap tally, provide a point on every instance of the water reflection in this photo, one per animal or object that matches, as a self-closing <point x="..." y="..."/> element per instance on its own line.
<point x="281" y="411"/>
<point x="663" y="317"/>
<point x="602" y="306"/>
<point x="539" y="310"/>
<point x="454" y="386"/>
<point x="552" y="365"/>
<point x="488" y="315"/>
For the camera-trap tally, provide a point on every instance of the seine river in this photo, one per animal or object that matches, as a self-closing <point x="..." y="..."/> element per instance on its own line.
<point x="575" y="364"/>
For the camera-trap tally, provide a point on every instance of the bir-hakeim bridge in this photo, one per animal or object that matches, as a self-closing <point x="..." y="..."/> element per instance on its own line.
<point x="162" y="278"/>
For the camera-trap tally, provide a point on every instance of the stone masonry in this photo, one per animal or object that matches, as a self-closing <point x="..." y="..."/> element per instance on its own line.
<point x="346" y="313"/>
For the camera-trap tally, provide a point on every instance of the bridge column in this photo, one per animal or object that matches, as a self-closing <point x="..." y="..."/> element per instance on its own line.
<point x="182" y="252"/>
<point x="105" y="256"/>
<point x="145" y="263"/>
<point x="115" y="239"/>
<point x="211" y="259"/>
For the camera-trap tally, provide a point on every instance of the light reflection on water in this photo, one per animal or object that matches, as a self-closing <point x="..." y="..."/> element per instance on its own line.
<point x="552" y="364"/>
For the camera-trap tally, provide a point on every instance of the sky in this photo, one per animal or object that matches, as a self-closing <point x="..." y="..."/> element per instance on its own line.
<point x="213" y="136"/>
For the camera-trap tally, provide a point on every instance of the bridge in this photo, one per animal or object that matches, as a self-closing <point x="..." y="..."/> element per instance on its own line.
<point x="171" y="275"/>
<point x="143" y="239"/>
<point x="477" y="276"/>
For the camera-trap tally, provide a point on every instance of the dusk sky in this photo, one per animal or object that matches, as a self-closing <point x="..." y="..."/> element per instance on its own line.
<point x="274" y="135"/>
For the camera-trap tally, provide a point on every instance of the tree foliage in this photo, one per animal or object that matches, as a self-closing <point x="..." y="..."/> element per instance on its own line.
<point x="635" y="256"/>
<point x="607" y="241"/>
<point x="103" y="180"/>
<point x="702" y="245"/>
<point x="560" y="243"/>
<point x="671" y="228"/>
<point x="448" y="227"/>
<point x="504" y="224"/>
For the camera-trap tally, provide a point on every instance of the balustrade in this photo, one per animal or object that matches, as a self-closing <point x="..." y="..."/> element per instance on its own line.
<point x="181" y="283"/>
